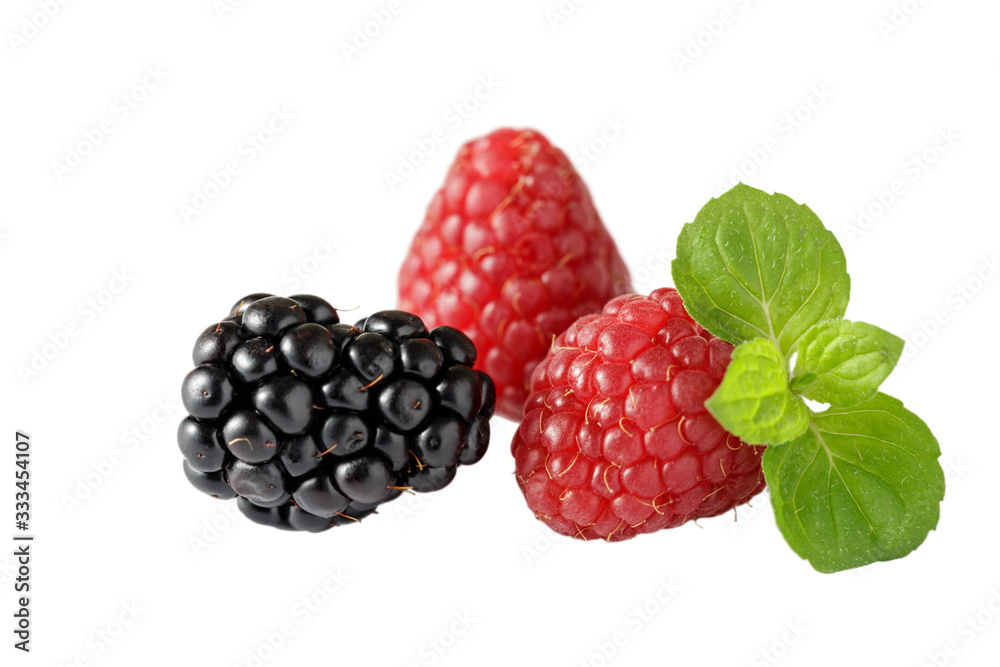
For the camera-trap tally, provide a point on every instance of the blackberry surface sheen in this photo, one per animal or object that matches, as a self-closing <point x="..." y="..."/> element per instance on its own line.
<point x="312" y="423"/>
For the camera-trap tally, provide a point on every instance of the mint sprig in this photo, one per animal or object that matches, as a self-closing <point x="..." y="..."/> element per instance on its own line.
<point x="842" y="362"/>
<point x="859" y="482"/>
<point x="754" y="265"/>
<point x="862" y="484"/>
<point x="753" y="402"/>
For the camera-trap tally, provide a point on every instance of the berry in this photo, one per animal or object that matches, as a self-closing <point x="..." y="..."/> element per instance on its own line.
<point x="312" y="423"/>
<point x="616" y="440"/>
<point x="511" y="251"/>
<point x="248" y="438"/>
<point x="200" y="445"/>
<point x="207" y="391"/>
<point x="237" y="310"/>
<point x="254" y="360"/>
<point x="405" y="403"/>
<point x="309" y="350"/>
<point x="216" y="343"/>
<point x="286" y="402"/>
<point x="272" y="315"/>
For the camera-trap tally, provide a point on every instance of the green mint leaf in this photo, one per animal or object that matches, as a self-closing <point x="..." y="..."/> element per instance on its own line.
<point x="862" y="484"/>
<point x="800" y="382"/>
<point x="843" y="363"/>
<point x="754" y="265"/>
<point x="753" y="401"/>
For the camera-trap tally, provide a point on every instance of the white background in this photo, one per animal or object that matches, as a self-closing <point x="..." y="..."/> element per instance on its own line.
<point x="880" y="94"/>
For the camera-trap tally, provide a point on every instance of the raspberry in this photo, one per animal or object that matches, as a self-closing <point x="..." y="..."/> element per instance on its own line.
<point x="616" y="440"/>
<point x="312" y="423"/>
<point x="511" y="251"/>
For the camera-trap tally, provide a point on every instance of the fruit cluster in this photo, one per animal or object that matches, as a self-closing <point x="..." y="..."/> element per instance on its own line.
<point x="637" y="413"/>
<point x="314" y="423"/>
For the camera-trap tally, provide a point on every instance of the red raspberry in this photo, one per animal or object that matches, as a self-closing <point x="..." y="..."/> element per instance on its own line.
<point x="616" y="440"/>
<point x="511" y="251"/>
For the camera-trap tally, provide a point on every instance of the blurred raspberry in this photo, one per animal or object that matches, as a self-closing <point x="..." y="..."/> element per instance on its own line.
<point x="511" y="251"/>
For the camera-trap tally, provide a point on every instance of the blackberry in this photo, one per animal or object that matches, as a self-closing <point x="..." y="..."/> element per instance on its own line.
<point x="312" y="423"/>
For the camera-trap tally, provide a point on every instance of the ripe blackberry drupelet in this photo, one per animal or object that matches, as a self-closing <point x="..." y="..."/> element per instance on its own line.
<point x="312" y="423"/>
